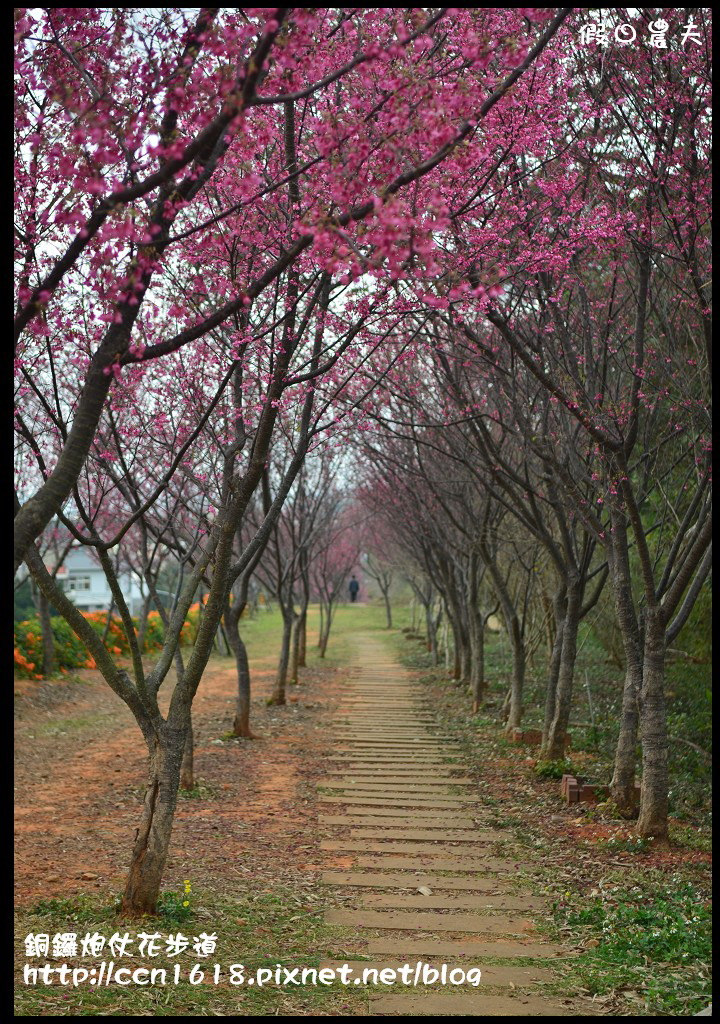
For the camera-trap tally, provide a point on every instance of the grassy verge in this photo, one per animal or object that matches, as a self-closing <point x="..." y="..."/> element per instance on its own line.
<point x="272" y="926"/>
<point x="646" y="936"/>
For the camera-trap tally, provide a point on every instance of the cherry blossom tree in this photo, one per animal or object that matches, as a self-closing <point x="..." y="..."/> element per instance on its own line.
<point x="239" y="234"/>
<point x="134" y="150"/>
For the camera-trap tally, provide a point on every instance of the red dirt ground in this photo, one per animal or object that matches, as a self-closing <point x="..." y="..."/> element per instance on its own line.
<point x="81" y="769"/>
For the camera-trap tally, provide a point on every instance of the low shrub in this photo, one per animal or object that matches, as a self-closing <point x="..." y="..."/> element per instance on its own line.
<point x="554" y="769"/>
<point x="70" y="651"/>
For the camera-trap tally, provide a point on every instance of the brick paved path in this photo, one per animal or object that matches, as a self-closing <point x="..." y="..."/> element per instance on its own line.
<point x="424" y="882"/>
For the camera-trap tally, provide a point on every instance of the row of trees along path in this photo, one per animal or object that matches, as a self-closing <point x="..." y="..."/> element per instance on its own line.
<point x="426" y="883"/>
<point x="246" y="235"/>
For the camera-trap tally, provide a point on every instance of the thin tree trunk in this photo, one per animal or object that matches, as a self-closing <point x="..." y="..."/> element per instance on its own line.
<point x="555" y="747"/>
<point x="294" y="657"/>
<point x="388" y="609"/>
<point x="554" y="667"/>
<point x="187" y="767"/>
<point x="457" y="666"/>
<point x="321" y="627"/>
<point x="221" y="642"/>
<point x="517" y="684"/>
<point x="462" y="652"/>
<point x="478" y="668"/>
<point x="152" y="840"/>
<point x="622" y="786"/>
<point x="278" y="694"/>
<point x="431" y="627"/>
<point x="48" y="640"/>
<point x="302" y="641"/>
<point x="517" y="644"/>
<point x="325" y="630"/>
<point x="465" y="662"/>
<point x="241" y="722"/>
<point x="655" y="784"/>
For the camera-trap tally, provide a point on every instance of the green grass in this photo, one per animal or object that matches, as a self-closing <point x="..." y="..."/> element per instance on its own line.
<point x="262" y="633"/>
<point x="72" y="724"/>
<point x="689" y="838"/>
<point x="266" y="928"/>
<point x="554" y="769"/>
<point x="201" y="790"/>
<point x="617" y="844"/>
<point x="650" y="940"/>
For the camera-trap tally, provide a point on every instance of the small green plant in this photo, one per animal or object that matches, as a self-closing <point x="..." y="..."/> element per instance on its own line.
<point x="633" y="844"/>
<point x="176" y="907"/>
<point x="655" y="938"/>
<point x="504" y="821"/>
<point x="200" y="791"/>
<point x="609" y="809"/>
<point x="79" y="909"/>
<point x="553" y="769"/>
<point x="690" y="838"/>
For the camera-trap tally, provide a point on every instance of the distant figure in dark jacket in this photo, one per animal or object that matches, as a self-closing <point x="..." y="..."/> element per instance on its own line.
<point x="353" y="587"/>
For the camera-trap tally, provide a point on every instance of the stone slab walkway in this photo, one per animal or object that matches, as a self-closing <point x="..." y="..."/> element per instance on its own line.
<point x="421" y="879"/>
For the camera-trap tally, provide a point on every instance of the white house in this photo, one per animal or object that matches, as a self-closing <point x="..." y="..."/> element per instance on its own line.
<point x="83" y="580"/>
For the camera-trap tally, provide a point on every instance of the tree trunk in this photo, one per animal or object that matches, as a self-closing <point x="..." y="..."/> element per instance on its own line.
<point x="431" y="627"/>
<point x="553" y="669"/>
<point x="294" y="656"/>
<point x="557" y="734"/>
<point x="278" y="694"/>
<point x="302" y="641"/>
<point x="475" y="636"/>
<point x="559" y="609"/>
<point x="325" y="637"/>
<point x="388" y="609"/>
<point x="321" y="627"/>
<point x="187" y="770"/>
<point x="150" y="850"/>
<point x="517" y="644"/>
<point x="478" y="668"/>
<point x="517" y="684"/>
<point x="221" y="642"/>
<point x="325" y="624"/>
<point x="465" y="662"/>
<point x="48" y="640"/>
<point x="462" y="650"/>
<point x="456" y="668"/>
<point x="241" y="722"/>
<point x="622" y="786"/>
<point x="655" y="784"/>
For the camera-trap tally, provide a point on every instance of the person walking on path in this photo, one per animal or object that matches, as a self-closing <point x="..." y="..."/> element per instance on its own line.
<point x="353" y="587"/>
